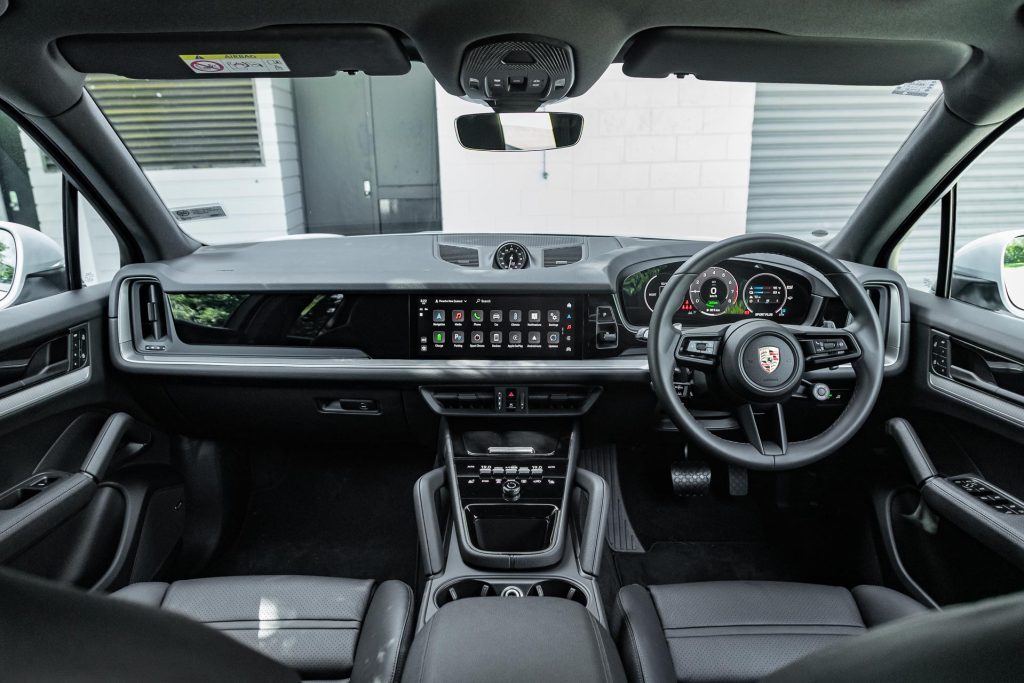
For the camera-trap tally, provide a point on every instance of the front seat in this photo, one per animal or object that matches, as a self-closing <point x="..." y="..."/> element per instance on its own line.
<point x="740" y="630"/>
<point x="323" y="628"/>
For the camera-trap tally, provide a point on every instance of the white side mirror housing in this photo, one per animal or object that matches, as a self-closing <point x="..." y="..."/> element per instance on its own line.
<point x="24" y="253"/>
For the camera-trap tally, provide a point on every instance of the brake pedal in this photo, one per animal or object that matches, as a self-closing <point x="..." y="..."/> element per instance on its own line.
<point x="691" y="478"/>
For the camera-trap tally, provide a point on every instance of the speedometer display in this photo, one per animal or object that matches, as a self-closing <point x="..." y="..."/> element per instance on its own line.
<point x="730" y="291"/>
<point x="714" y="291"/>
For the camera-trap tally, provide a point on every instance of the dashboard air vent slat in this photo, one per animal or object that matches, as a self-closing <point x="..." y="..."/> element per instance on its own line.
<point x="152" y="312"/>
<point x="562" y="256"/>
<point x="460" y="256"/>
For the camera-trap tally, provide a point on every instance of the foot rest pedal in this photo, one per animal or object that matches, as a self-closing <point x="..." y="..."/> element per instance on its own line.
<point x="691" y="478"/>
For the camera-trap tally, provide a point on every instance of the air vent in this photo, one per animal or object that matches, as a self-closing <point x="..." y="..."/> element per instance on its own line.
<point x="151" y="309"/>
<point x="562" y="256"/>
<point x="559" y="399"/>
<point x="460" y="256"/>
<point x="465" y="400"/>
<point x="886" y="298"/>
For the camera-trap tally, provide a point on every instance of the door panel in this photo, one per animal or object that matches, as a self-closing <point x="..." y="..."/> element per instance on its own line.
<point x="66" y="443"/>
<point x="958" y="533"/>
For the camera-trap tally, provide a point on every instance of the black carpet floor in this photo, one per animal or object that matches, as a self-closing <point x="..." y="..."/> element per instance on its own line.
<point x="719" y="537"/>
<point x="329" y="513"/>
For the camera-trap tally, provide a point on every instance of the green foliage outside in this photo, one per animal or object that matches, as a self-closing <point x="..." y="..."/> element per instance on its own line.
<point x="6" y="265"/>
<point x="1013" y="257"/>
<point x="210" y="310"/>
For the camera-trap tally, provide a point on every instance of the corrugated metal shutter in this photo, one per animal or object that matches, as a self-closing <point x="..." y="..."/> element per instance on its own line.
<point x="990" y="194"/>
<point x="182" y="124"/>
<point x="816" y="151"/>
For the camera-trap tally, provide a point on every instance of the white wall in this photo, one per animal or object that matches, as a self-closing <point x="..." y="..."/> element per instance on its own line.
<point x="260" y="201"/>
<point x="665" y="158"/>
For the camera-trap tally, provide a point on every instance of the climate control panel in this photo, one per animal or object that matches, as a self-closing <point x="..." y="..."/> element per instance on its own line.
<point x="510" y="479"/>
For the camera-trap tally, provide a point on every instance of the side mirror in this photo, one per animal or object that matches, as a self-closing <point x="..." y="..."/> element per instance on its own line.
<point x="519" y="132"/>
<point x="31" y="265"/>
<point x="989" y="272"/>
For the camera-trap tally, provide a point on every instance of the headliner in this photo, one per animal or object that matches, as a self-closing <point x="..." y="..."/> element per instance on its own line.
<point x="988" y="88"/>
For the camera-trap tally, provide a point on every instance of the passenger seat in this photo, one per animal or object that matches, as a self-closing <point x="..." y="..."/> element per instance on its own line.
<point x="323" y="628"/>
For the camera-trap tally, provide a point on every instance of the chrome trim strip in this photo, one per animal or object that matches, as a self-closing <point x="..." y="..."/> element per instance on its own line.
<point x="131" y="357"/>
<point x="43" y="391"/>
<point x="975" y="398"/>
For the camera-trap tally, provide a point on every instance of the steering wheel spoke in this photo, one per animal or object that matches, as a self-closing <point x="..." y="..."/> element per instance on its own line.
<point x="699" y="348"/>
<point x="826" y="347"/>
<point x="769" y="437"/>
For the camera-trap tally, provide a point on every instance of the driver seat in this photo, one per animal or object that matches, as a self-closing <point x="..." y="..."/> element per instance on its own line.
<point x="741" y="630"/>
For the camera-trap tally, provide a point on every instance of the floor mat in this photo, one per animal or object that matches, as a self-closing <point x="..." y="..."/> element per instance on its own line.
<point x="603" y="461"/>
<point x="682" y="562"/>
<point x="328" y="513"/>
<point x="723" y="537"/>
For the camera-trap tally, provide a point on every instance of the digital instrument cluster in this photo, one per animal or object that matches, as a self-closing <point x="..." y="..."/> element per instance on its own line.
<point x="723" y="293"/>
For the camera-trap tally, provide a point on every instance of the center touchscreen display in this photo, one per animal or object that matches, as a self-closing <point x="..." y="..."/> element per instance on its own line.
<point x="502" y="326"/>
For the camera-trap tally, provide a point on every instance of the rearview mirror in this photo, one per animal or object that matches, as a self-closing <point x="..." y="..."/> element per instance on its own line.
<point x="519" y="132"/>
<point x="31" y="265"/>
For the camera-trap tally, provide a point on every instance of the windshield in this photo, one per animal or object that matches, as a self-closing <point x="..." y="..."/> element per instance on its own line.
<point x="241" y="160"/>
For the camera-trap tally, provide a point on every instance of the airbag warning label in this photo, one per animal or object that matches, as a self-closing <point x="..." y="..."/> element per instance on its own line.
<point x="267" y="62"/>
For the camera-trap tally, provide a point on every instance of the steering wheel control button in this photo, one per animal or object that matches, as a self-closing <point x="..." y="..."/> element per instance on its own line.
<point x="821" y="392"/>
<point x="698" y="351"/>
<point x="702" y="347"/>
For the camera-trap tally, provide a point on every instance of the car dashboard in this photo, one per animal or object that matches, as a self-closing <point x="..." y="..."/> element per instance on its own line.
<point x="440" y="307"/>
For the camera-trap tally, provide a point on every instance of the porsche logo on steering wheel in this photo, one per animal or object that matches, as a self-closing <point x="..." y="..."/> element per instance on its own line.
<point x="769" y="357"/>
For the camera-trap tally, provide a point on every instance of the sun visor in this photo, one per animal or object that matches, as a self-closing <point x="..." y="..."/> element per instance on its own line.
<point x="767" y="57"/>
<point x="288" y="51"/>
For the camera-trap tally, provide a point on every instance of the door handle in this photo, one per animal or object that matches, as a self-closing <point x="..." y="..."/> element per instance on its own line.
<point x="999" y="367"/>
<point x="366" y="188"/>
<point x="972" y="380"/>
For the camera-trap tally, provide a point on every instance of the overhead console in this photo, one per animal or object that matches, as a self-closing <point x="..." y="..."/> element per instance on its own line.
<point x="517" y="74"/>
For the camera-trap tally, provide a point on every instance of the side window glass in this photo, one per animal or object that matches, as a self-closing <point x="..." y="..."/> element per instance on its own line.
<point x="32" y="249"/>
<point x="31" y="220"/>
<point x="917" y="257"/>
<point x="988" y="261"/>
<point x="98" y="249"/>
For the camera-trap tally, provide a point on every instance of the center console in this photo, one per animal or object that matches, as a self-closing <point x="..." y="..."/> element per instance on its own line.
<point x="510" y="492"/>
<point x="510" y="515"/>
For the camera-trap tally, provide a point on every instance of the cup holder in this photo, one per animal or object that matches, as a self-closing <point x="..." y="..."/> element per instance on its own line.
<point x="557" y="588"/>
<point x="477" y="588"/>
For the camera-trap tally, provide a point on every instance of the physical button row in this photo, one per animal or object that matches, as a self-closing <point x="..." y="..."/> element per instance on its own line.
<point x="511" y="470"/>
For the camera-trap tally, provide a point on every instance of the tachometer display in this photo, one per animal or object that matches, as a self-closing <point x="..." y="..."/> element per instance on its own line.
<point x="714" y="291"/>
<point x="765" y="294"/>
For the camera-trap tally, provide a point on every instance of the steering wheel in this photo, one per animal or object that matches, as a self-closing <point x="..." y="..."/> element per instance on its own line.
<point x="761" y="363"/>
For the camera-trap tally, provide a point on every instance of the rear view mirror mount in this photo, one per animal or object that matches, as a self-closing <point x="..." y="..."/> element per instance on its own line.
<point x="519" y="132"/>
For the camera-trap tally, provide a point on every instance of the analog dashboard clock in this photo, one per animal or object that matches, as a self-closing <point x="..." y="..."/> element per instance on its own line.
<point x="511" y="256"/>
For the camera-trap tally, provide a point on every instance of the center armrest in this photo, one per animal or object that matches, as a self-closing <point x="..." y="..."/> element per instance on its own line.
<point x="513" y="639"/>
